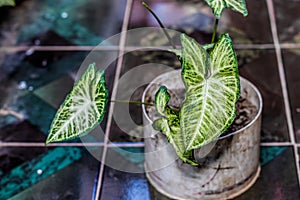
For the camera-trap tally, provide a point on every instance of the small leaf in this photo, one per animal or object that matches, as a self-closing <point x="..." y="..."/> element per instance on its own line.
<point x="83" y="108"/>
<point x="218" y="5"/>
<point x="161" y="100"/>
<point x="170" y="125"/>
<point x="174" y="136"/>
<point x="209" y="106"/>
<point x="7" y="3"/>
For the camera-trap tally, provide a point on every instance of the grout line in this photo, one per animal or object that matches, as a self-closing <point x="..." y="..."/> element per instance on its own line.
<point x="14" y="49"/>
<point x="114" y="93"/>
<point x="90" y="144"/>
<point x="109" y="145"/>
<point x="283" y="82"/>
<point x="270" y="144"/>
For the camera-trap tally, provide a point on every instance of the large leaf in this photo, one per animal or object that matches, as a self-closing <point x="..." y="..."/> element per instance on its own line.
<point x="170" y="125"/>
<point x="212" y="89"/>
<point x="218" y="5"/>
<point x="83" y="108"/>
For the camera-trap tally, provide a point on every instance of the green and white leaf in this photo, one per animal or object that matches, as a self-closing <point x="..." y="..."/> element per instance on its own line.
<point x="83" y="108"/>
<point x="162" y="98"/>
<point x="212" y="90"/>
<point x="7" y="3"/>
<point x="170" y="125"/>
<point x="218" y="6"/>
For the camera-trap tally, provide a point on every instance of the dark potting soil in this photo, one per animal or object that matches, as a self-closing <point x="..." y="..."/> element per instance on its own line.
<point x="245" y="113"/>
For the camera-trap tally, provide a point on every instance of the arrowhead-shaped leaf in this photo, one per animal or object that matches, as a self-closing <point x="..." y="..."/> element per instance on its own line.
<point x="170" y="125"/>
<point x="83" y="108"/>
<point x="218" y="5"/>
<point x="212" y="89"/>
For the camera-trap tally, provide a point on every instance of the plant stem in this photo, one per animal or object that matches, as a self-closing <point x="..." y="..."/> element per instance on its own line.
<point x="132" y="102"/>
<point x="160" y="23"/>
<point x="215" y="30"/>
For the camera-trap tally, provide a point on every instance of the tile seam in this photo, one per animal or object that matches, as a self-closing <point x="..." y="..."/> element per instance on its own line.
<point x="13" y="49"/>
<point x="113" y="95"/>
<point x="283" y="82"/>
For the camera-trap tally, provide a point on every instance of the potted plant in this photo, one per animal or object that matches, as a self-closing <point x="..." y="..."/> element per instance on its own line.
<point x="214" y="129"/>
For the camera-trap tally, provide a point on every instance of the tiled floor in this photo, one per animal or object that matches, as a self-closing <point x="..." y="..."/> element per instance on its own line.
<point x="43" y="44"/>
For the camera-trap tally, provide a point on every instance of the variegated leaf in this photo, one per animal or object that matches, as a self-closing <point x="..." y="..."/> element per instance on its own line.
<point x="211" y="95"/>
<point x="218" y="5"/>
<point x="162" y="98"/>
<point x="170" y="125"/>
<point x="83" y="108"/>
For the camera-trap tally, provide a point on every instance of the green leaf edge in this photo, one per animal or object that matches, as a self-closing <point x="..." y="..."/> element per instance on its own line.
<point x="7" y="3"/>
<point x="230" y="121"/>
<point x="162" y="98"/>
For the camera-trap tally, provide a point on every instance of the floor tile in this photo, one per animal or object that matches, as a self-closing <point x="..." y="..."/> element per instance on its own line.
<point x="291" y="58"/>
<point x="118" y="183"/>
<point x="54" y="169"/>
<point x="34" y="92"/>
<point x="260" y="67"/>
<point x="287" y="19"/>
<point x="139" y="68"/>
<point x="278" y="179"/>
<point x="80" y="22"/>
<point x="196" y="19"/>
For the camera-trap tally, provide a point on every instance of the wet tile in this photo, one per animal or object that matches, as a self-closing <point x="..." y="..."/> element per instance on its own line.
<point x="21" y="131"/>
<point x="197" y="20"/>
<point x="139" y="68"/>
<point x="125" y="180"/>
<point x="55" y="92"/>
<point x="280" y="171"/>
<point x="35" y="69"/>
<point x="243" y="30"/>
<point x="34" y="93"/>
<point x="260" y="67"/>
<point x="291" y="58"/>
<point x="53" y="169"/>
<point x="80" y="22"/>
<point x="287" y="19"/>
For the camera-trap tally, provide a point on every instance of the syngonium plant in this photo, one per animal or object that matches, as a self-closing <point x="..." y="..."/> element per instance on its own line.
<point x="212" y="83"/>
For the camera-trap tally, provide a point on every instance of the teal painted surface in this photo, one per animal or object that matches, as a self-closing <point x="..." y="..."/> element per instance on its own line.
<point x="267" y="154"/>
<point x="33" y="171"/>
<point x="132" y="154"/>
<point x="60" y="16"/>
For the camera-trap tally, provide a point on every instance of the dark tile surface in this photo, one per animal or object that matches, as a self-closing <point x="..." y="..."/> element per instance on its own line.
<point x="123" y="175"/>
<point x="80" y="22"/>
<point x="291" y="60"/>
<point x="287" y="18"/>
<point x="278" y="171"/>
<point x="244" y="30"/>
<point x="195" y="19"/>
<point x="52" y="168"/>
<point x="260" y="67"/>
<point x="34" y="83"/>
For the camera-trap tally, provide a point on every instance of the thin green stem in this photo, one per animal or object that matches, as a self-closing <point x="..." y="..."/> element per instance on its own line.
<point x="160" y="23"/>
<point x="133" y="102"/>
<point x="215" y="30"/>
